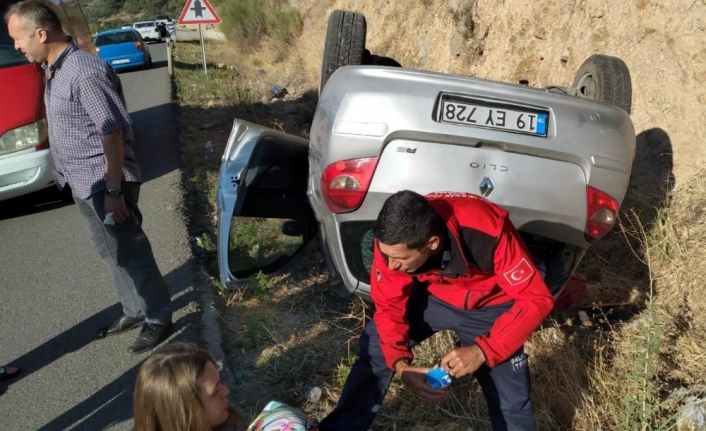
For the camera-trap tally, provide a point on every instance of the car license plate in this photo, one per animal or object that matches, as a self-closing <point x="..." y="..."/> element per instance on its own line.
<point x="121" y="61"/>
<point x="469" y="112"/>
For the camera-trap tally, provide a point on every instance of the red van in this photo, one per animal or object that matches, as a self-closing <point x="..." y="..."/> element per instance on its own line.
<point x="25" y="161"/>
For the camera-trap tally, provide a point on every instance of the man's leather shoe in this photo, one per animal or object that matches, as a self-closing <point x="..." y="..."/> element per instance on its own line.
<point x="123" y="324"/>
<point x="151" y="335"/>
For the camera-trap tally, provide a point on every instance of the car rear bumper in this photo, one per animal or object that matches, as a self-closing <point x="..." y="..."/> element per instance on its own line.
<point x="134" y="60"/>
<point x="350" y="261"/>
<point x="26" y="173"/>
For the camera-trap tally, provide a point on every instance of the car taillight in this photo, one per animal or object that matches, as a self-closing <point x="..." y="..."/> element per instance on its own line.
<point x="138" y="44"/>
<point x="601" y="214"/>
<point x="345" y="183"/>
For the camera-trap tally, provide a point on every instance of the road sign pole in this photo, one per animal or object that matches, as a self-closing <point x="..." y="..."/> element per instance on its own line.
<point x="203" y="51"/>
<point x="199" y="12"/>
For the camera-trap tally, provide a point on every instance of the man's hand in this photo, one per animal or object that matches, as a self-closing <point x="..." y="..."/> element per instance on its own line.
<point x="463" y="360"/>
<point x="118" y="207"/>
<point x="416" y="379"/>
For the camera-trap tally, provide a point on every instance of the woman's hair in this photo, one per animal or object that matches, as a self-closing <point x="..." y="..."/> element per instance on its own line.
<point x="167" y="390"/>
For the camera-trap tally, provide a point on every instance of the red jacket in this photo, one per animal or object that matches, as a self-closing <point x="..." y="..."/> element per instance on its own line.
<point x="489" y="266"/>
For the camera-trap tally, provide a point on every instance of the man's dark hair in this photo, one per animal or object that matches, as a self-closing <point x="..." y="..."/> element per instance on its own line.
<point x="407" y="218"/>
<point x="34" y="15"/>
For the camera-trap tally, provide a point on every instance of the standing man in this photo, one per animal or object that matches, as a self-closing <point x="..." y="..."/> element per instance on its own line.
<point x="91" y="136"/>
<point x="171" y="28"/>
<point x="448" y="261"/>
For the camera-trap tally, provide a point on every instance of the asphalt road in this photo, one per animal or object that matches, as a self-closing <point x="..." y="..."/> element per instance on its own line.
<point x="56" y="292"/>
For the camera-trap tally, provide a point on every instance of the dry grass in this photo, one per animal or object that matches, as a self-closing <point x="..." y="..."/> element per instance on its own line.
<point x="291" y="331"/>
<point x="294" y="335"/>
<point x="637" y="376"/>
<point x="678" y="265"/>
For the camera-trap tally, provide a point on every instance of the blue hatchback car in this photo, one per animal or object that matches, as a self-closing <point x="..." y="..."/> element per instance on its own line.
<point x="123" y="49"/>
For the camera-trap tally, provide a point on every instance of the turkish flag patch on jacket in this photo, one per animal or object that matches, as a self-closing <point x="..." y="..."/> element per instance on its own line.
<point x="520" y="273"/>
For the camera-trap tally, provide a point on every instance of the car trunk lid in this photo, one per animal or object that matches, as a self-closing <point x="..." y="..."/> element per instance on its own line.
<point x="543" y="196"/>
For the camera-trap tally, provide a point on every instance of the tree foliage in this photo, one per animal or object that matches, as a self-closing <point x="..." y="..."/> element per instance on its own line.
<point x="106" y="14"/>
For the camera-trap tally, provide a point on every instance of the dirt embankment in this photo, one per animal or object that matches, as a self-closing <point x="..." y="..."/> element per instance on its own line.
<point x="545" y="42"/>
<point x="579" y="383"/>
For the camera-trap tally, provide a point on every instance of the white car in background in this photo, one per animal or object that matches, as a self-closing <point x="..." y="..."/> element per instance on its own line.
<point x="148" y="30"/>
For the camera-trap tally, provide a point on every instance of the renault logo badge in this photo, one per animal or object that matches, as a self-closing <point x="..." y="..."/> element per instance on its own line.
<point x="486" y="187"/>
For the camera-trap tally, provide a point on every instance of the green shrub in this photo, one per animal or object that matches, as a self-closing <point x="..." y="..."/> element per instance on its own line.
<point x="284" y="24"/>
<point x="100" y="13"/>
<point x="249" y="21"/>
<point x="243" y="17"/>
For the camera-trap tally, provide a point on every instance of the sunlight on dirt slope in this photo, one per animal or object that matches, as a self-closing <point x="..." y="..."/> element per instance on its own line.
<point x="545" y="42"/>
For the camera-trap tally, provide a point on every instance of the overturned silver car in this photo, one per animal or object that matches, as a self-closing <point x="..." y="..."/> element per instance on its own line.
<point x="557" y="158"/>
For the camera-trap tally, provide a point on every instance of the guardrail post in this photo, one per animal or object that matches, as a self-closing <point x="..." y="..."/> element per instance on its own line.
<point x="170" y="65"/>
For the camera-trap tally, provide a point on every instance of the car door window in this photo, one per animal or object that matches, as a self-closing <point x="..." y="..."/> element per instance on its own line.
<point x="268" y="227"/>
<point x="265" y="218"/>
<point x="260" y="244"/>
<point x="114" y="38"/>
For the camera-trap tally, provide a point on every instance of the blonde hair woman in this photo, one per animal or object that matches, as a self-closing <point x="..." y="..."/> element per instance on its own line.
<point x="178" y="388"/>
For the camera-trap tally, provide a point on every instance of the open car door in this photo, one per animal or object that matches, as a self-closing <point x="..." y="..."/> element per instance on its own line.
<point x="264" y="216"/>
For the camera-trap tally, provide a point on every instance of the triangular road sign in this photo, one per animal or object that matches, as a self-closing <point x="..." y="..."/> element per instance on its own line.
<point x="198" y="12"/>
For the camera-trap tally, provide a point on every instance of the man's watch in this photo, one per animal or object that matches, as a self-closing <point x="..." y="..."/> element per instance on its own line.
<point x="114" y="193"/>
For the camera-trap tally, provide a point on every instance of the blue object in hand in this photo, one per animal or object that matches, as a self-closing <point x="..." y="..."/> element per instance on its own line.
<point x="437" y="378"/>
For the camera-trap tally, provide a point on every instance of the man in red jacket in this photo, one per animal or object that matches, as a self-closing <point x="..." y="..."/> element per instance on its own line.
<point x="447" y="261"/>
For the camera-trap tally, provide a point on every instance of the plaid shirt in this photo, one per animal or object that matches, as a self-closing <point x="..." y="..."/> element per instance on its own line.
<point x="84" y="101"/>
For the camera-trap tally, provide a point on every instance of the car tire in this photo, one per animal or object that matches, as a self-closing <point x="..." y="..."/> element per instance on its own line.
<point x="344" y="44"/>
<point x="148" y="64"/>
<point x="605" y="79"/>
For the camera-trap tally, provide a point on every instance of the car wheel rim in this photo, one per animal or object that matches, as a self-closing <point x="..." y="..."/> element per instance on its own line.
<point x="587" y="87"/>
